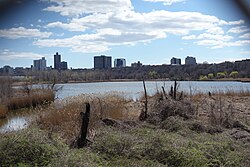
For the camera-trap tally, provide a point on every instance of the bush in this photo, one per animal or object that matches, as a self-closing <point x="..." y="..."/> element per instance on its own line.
<point x="172" y="124"/>
<point x="26" y="149"/>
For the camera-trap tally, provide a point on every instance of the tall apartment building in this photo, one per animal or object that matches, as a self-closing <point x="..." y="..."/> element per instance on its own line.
<point x="102" y="62"/>
<point x="63" y="65"/>
<point x="58" y="65"/>
<point x="39" y="65"/>
<point x="175" y="61"/>
<point x="57" y="61"/>
<point x="190" y="60"/>
<point x="120" y="62"/>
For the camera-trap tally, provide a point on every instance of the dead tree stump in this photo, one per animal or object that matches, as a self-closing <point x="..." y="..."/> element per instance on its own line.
<point x="82" y="140"/>
<point x="144" y="114"/>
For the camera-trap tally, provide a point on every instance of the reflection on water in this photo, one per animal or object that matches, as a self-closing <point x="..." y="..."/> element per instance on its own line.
<point x="13" y="124"/>
<point x="15" y="120"/>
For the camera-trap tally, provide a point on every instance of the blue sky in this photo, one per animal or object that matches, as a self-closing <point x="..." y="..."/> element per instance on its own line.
<point x="150" y="31"/>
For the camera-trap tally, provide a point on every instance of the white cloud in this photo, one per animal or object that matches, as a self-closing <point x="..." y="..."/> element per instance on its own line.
<point x="78" y="8"/>
<point x="215" y="30"/>
<point x="166" y="2"/>
<point x="215" y="44"/>
<point x="238" y="29"/>
<point x="238" y="22"/>
<point x="128" y="28"/>
<point x="10" y="55"/>
<point x="114" y="22"/>
<point x="21" y="32"/>
<point x="208" y="36"/>
<point x="70" y="27"/>
<point x="247" y="35"/>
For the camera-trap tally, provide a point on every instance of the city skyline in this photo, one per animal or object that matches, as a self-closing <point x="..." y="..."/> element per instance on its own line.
<point x="150" y="31"/>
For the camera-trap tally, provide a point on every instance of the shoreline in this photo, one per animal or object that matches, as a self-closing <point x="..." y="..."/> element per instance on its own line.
<point x="244" y="80"/>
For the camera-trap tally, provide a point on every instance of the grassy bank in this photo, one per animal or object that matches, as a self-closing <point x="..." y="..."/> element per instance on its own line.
<point x="200" y="130"/>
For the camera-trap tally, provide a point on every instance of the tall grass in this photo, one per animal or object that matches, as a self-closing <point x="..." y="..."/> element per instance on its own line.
<point x="3" y="111"/>
<point x="36" y="97"/>
<point x="64" y="116"/>
<point x="6" y="90"/>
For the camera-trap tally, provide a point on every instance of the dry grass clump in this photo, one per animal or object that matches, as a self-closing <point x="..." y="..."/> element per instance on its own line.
<point x="36" y="97"/>
<point x="3" y="111"/>
<point x="6" y="90"/>
<point x="161" y="108"/>
<point x="63" y="116"/>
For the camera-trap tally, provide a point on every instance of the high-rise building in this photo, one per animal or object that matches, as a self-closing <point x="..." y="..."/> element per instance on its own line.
<point x="102" y="62"/>
<point x="120" y="62"/>
<point x="57" y="61"/>
<point x="175" y="61"/>
<point x="39" y="65"/>
<point x="190" y="60"/>
<point x="63" y="65"/>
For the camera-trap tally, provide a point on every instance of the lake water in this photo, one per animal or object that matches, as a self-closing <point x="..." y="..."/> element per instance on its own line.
<point x="133" y="90"/>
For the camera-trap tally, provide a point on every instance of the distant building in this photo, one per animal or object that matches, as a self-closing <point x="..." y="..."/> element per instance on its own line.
<point x="63" y="65"/>
<point x="120" y="62"/>
<point x="136" y="64"/>
<point x="57" y="61"/>
<point x="175" y="61"/>
<point x="19" y="71"/>
<point x="190" y="60"/>
<point x="8" y="70"/>
<point x="39" y="65"/>
<point x="102" y="62"/>
<point x="58" y="65"/>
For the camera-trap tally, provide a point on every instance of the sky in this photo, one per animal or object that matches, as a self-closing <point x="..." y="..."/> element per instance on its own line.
<point x="150" y="31"/>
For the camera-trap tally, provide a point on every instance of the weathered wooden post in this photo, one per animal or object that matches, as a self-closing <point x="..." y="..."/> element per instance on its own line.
<point x="82" y="140"/>
<point x="144" y="114"/>
<point x="164" y="92"/>
<point x="175" y="89"/>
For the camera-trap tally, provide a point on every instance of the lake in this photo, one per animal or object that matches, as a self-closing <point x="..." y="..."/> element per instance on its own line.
<point x="133" y="90"/>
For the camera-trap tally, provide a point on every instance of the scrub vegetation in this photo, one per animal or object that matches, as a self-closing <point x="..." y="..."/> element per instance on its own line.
<point x="198" y="130"/>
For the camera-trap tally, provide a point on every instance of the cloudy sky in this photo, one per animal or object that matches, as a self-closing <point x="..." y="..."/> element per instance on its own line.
<point x="150" y="31"/>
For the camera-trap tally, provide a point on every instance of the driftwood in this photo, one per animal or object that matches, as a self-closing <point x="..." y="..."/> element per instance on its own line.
<point x="82" y="140"/>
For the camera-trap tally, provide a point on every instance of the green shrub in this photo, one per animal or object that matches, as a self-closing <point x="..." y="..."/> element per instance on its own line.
<point x="172" y="124"/>
<point x="25" y="152"/>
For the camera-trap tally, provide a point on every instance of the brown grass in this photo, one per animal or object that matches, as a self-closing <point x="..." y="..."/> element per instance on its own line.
<point x="223" y="108"/>
<point x="64" y="116"/>
<point x="36" y="97"/>
<point x="3" y="111"/>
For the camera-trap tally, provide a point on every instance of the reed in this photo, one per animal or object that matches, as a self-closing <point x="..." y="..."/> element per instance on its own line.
<point x="36" y="97"/>
<point x="64" y="116"/>
<point x="3" y="111"/>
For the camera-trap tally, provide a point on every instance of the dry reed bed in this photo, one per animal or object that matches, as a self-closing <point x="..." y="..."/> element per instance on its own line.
<point x="63" y="116"/>
<point x="222" y="107"/>
<point x="3" y="111"/>
<point x="36" y="97"/>
<point x="21" y="99"/>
